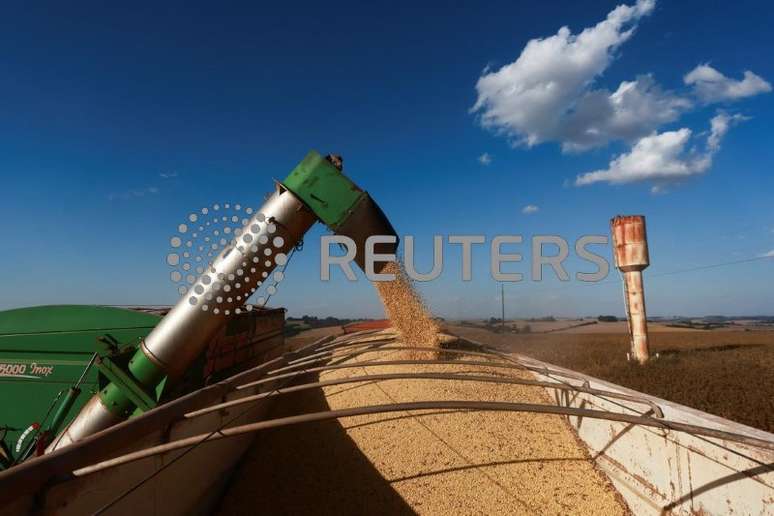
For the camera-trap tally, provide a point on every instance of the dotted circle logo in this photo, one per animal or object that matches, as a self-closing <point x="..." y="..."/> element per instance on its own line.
<point x="223" y="254"/>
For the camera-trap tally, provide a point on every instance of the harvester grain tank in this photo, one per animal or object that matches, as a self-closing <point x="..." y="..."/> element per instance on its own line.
<point x="630" y="245"/>
<point x="315" y="190"/>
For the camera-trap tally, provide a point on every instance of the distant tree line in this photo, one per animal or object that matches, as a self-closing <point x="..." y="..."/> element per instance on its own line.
<point x="316" y="322"/>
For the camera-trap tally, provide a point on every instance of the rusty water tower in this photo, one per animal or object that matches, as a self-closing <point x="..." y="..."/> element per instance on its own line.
<point x="630" y="246"/>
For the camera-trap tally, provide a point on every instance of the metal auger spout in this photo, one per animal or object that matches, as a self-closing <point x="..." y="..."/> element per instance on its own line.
<point x="341" y="205"/>
<point x="315" y="190"/>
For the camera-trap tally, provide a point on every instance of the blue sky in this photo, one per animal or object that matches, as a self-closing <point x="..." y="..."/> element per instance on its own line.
<point x="116" y="122"/>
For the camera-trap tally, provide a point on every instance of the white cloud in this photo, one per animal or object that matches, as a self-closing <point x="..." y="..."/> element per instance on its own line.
<point x="712" y="86"/>
<point x="770" y="254"/>
<point x="546" y="94"/>
<point x="167" y="175"/>
<point x="485" y="159"/>
<point x="719" y="126"/>
<point x="634" y="110"/>
<point x="530" y="209"/>
<point x="658" y="156"/>
<point x="663" y="157"/>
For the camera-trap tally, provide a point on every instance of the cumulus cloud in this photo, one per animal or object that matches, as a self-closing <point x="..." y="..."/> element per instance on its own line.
<point x="546" y="93"/>
<point x="664" y="157"/>
<point x="530" y="209"/>
<point x="485" y="159"/>
<point x="712" y="86"/>
<point x="658" y="156"/>
<point x="635" y="109"/>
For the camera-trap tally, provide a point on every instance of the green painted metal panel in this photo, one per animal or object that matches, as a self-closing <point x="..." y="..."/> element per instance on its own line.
<point x="61" y="328"/>
<point x="44" y="350"/>
<point x="324" y="189"/>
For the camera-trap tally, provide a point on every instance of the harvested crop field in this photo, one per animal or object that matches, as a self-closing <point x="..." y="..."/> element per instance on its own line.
<point x="728" y="373"/>
<point x="426" y="462"/>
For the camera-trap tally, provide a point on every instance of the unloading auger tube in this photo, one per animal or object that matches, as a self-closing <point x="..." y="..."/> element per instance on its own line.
<point x="315" y="190"/>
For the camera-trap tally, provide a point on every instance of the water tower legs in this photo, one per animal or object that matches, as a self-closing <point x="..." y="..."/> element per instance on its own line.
<point x="635" y="311"/>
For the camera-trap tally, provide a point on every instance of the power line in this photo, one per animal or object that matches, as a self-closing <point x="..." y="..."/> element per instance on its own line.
<point x="668" y="273"/>
<point x="714" y="265"/>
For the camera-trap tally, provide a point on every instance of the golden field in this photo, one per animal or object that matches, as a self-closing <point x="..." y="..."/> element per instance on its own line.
<point x="726" y="373"/>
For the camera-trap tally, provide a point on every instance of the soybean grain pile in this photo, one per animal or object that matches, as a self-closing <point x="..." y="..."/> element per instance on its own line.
<point x="419" y="462"/>
<point x="405" y="309"/>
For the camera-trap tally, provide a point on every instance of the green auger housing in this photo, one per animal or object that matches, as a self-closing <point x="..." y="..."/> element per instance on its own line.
<point x="340" y="204"/>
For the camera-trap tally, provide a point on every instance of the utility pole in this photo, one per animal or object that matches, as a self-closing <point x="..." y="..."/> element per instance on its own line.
<point x="502" y="302"/>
